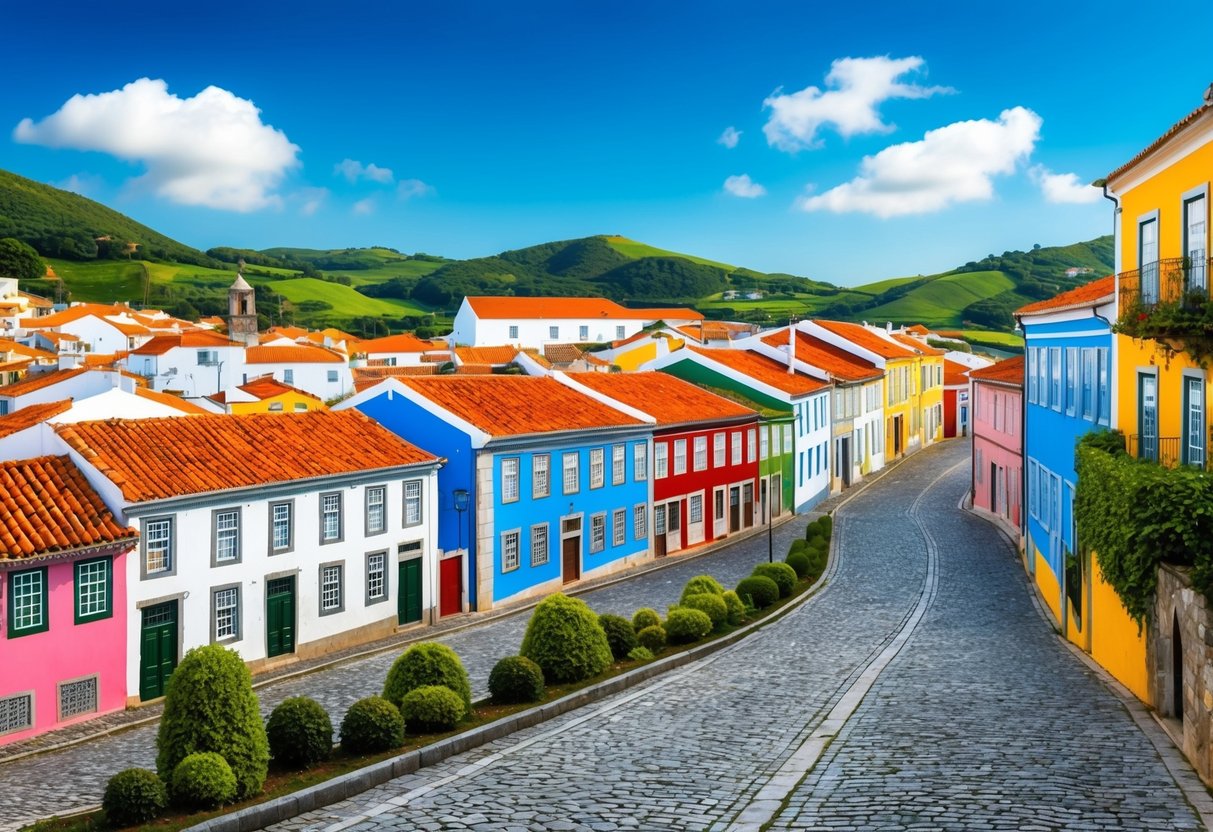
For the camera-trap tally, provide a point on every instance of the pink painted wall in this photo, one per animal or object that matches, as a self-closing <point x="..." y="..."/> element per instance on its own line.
<point x="997" y="417"/>
<point x="66" y="651"/>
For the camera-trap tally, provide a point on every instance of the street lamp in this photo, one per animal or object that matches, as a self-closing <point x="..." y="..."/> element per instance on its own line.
<point x="766" y="506"/>
<point x="460" y="496"/>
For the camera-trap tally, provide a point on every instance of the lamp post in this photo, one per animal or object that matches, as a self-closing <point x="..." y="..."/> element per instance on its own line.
<point x="460" y="496"/>
<point x="766" y="506"/>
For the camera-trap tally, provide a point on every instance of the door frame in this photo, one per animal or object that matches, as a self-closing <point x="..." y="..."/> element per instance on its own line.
<point x="579" y="516"/>
<point x="179" y="601"/>
<point x="1142" y="375"/>
<point x="400" y="562"/>
<point x="451" y="554"/>
<point x="293" y="574"/>
<point x="720" y="525"/>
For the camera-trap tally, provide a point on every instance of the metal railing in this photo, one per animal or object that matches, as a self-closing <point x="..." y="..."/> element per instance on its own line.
<point x="1179" y="280"/>
<point x="1167" y="451"/>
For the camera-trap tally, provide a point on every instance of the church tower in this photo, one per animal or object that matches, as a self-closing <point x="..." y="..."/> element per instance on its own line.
<point x="242" y="311"/>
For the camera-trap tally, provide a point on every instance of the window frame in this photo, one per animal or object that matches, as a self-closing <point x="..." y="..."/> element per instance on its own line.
<point x="237" y="622"/>
<point x="640" y="521"/>
<point x="516" y="534"/>
<point x="32" y="710"/>
<point x="597" y="526"/>
<point x="619" y="464"/>
<point x="108" y="612"/>
<point x="619" y="527"/>
<point x="170" y="551"/>
<point x="566" y="468"/>
<point x="339" y="566"/>
<point x="536" y="494"/>
<point x="661" y="460"/>
<point x="290" y="527"/>
<point x="545" y="528"/>
<point x="699" y="453"/>
<point x="597" y="468"/>
<point x="370" y="599"/>
<point x="44" y="603"/>
<point x="366" y="513"/>
<point x="406" y="499"/>
<point x="326" y="541"/>
<point x="640" y="461"/>
<point x="515" y="463"/>
<point x="719" y="455"/>
<point x="680" y="457"/>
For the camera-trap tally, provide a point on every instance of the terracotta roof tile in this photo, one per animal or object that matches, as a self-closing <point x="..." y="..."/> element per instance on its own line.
<point x="299" y="354"/>
<point x="915" y="344"/>
<point x="562" y="353"/>
<point x="1088" y="294"/>
<point x="861" y="336"/>
<point x="103" y="359"/>
<point x="199" y="338"/>
<point x="517" y="405"/>
<point x="150" y="459"/>
<point x="527" y="308"/>
<point x="46" y="507"/>
<point x="405" y="342"/>
<point x="954" y="373"/>
<point x="837" y="362"/>
<point x="669" y="400"/>
<point x="36" y="301"/>
<point x="763" y="369"/>
<point x="918" y="329"/>
<point x="186" y="407"/>
<point x="39" y="381"/>
<point x="486" y="355"/>
<point x="1007" y="371"/>
<point x="262" y="388"/>
<point x="30" y="415"/>
<point x="7" y="345"/>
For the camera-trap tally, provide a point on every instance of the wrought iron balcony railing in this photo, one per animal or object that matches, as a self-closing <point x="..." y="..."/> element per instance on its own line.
<point x="1167" y="451"/>
<point x="1183" y="281"/>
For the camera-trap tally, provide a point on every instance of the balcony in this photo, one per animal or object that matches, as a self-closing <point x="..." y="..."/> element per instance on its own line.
<point x="1168" y="301"/>
<point x="1167" y="451"/>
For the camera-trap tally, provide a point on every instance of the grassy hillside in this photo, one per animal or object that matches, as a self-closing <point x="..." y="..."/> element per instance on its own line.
<point x="942" y="301"/>
<point x="636" y="251"/>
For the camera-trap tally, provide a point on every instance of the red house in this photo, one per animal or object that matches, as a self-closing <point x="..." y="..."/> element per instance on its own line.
<point x="955" y="399"/>
<point x="705" y="454"/>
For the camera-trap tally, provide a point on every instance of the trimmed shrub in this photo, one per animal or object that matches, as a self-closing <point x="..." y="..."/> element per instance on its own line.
<point x="827" y="524"/>
<point x="427" y="663"/>
<point x="516" y="679"/>
<point x="652" y="638"/>
<point x="565" y="639"/>
<point x="713" y="606"/>
<point x="701" y="585"/>
<point x="684" y="625"/>
<point x="620" y="636"/>
<point x="761" y="590"/>
<point x="133" y="796"/>
<point x="372" y="725"/>
<point x="431" y="708"/>
<point x="210" y="706"/>
<point x="645" y="617"/>
<point x="300" y="733"/>
<point x="783" y="575"/>
<point x="798" y="545"/>
<point x="640" y="654"/>
<point x="203" y="781"/>
<point x="735" y="609"/>
<point x="814" y="538"/>
<point x="799" y="561"/>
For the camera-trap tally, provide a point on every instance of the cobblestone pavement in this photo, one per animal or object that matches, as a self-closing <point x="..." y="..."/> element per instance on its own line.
<point x="982" y="721"/>
<point x="44" y="791"/>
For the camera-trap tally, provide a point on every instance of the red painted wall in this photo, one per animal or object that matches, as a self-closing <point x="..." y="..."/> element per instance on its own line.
<point x="949" y="413"/>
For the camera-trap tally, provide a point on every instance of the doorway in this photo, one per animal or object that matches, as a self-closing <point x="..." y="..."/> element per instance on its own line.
<point x="776" y="495"/>
<point x="1177" y="670"/>
<point x="659" y="542"/>
<point x="450" y="586"/>
<point x="570" y="549"/>
<point x="897" y="436"/>
<point x="280" y="616"/>
<point x="673" y="519"/>
<point x="408" y="601"/>
<point x="158" y="649"/>
<point x="734" y="509"/>
<point x="845" y="460"/>
<point x="747" y="499"/>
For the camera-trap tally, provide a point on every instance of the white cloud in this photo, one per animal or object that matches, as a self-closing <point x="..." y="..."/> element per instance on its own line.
<point x="85" y="184"/>
<point x="409" y="188"/>
<point x="744" y="187"/>
<point x="859" y="85"/>
<point x="364" y="207"/>
<point x="354" y="170"/>
<point x="211" y="150"/>
<point x="1064" y="187"/>
<point x="951" y="164"/>
<point x="311" y="199"/>
<point x="730" y="137"/>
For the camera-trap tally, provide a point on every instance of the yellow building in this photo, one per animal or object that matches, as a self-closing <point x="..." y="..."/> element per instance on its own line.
<point x="265" y="395"/>
<point x="926" y="400"/>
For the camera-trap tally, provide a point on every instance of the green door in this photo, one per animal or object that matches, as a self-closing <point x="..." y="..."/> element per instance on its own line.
<point x="158" y="649"/>
<point x="408" y="605"/>
<point x="280" y="616"/>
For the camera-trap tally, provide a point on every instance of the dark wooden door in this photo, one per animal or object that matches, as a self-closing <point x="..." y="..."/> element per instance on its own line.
<point x="408" y="602"/>
<point x="450" y="586"/>
<point x="896" y="436"/>
<point x="280" y="616"/>
<point x="659" y="541"/>
<point x="158" y="649"/>
<point x="747" y="500"/>
<point x="734" y="509"/>
<point x="570" y="556"/>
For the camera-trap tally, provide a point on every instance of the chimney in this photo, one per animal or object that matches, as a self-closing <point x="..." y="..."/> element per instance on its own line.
<point x="791" y="347"/>
<point x="888" y="326"/>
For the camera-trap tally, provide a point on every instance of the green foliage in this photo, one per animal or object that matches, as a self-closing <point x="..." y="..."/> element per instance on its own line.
<point x="640" y="654"/>
<point x="826" y="522"/>
<point x="735" y="608"/>
<point x="817" y="562"/>
<point x="799" y="561"/>
<point x="783" y="575"/>
<point x="516" y="679"/>
<point x="652" y="638"/>
<point x="203" y="780"/>
<point x="713" y="606"/>
<point x="133" y="796"/>
<point x="798" y="545"/>
<point x="684" y="625"/>
<point x="701" y="585"/>
<point x="431" y="708"/>
<point x="760" y="591"/>
<point x="210" y="706"/>
<point x="565" y="639"/>
<point x="20" y="260"/>
<point x="1188" y="320"/>
<point x="620" y="634"/>
<point x="645" y="617"/>
<point x="427" y="663"/>
<point x="300" y="733"/>
<point x="372" y="725"/>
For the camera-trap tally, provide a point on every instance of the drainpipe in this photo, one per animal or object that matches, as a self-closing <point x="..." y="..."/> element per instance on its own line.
<point x="1030" y="561"/>
<point x="1117" y="265"/>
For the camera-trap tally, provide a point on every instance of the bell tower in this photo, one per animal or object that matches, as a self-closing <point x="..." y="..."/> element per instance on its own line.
<point x="242" y="311"/>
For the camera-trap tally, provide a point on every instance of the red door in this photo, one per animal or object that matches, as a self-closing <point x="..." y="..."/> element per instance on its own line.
<point x="450" y="586"/>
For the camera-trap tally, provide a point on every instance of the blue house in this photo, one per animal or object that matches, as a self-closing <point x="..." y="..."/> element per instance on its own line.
<point x="1068" y="393"/>
<point x="543" y="486"/>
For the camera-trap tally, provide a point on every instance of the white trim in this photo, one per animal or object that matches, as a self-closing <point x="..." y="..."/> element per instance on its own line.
<point x="1188" y="141"/>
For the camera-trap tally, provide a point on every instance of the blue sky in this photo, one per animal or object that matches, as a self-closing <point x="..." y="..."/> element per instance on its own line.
<point x="495" y="126"/>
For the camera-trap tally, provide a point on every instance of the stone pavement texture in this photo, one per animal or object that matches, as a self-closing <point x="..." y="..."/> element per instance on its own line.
<point x="982" y="721"/>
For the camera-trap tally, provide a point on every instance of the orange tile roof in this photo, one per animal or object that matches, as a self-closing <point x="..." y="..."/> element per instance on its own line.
<point x="486" y="355"/>
<point x="47" y="507"/>
<point x="56" y="337"/>
<point x="954" y="373"/>
<point x="365" y="377"/>
<point x="563" y="308"/>
<point x="861" y="336"/>
<point x="405" y="342"/>
<point x="669" y="400"/>
<point x="1094" y="293"/>
<point x="763" y="369"/>
<point x="20" y="362"/>
<point x="1163" y="139"/>
<point x="102" y="359"/>
<point x="474" y="370"/>
<point x="189" y="408"/>
<point x="915" y="344"/>
<point x="213" y="320"/>
<point x="291" y="332"/>
<point x="1007" y="371"/>
<point x="37" y="381"/>
<point x="622" y="342"/>
<point x="299" y="354"/>
<point x="562" y="353"/>
<point x="36" y="301"/>
<point x="160" y="344"/>
<point x="334" y="335"/>
<point x="262" y="388"/>
<point x="517" y="405"/>
<point x="74" y="313"/>
<point x="837" y="362"/>
<point x="918" y="329"/>
<point x="30" y="415"/>
<point x="151" y="459"/>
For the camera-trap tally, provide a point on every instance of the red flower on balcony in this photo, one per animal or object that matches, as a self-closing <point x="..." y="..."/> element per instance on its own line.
<point x="1141" y="316"/>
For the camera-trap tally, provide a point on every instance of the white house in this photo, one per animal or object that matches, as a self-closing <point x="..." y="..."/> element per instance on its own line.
<point x="282" y="536"/>
<point x="56" y="385"/>
<point x="403" y="350"/>
<point x="535" y="322"/>
<point x="314" y="369"/>
<point x="196" y="364"/>
<point x="99" y="328"/>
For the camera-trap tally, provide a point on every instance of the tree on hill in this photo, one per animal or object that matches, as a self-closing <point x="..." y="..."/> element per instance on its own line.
<point x="20" y="260"/>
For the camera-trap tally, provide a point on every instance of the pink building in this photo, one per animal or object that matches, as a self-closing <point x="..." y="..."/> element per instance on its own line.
<point x="62" y="599"/>
<point x="998" y="439"/>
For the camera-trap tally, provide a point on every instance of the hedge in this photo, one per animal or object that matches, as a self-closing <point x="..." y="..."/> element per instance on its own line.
<point x="300" y="732"/>
<point x="621" y="637"/>
<point x="371" y="725"/>
<point x="516" y="679"/>
<point x="701" y="585"/>
<point x="133" y="796"/>
<point x="713" y="606"/>
<point x="783" y="575"/>
<point x="203" y="781"/>
<point x="761" y="590"/>
<point x="685" y="625"/>
<point x="431" y="708"/>
<point x="565" y="639"/>
<point x="427" y="663"/>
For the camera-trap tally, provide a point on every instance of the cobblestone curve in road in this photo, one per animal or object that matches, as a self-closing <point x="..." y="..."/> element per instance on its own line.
<point x="982" y="721"/>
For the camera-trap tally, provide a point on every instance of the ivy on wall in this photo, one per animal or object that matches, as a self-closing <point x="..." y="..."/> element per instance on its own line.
<point x="1177" y="327"/>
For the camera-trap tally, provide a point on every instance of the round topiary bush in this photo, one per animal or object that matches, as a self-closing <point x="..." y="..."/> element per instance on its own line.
<point x="300" y="733"/>
<point x="431" y="708"/>
<point x="133" y="796"/>
<point x="620" y="635"/>
<point x="372" y="725"/>
<point x="713" y="606"/>
<point x="652" y="638"/>
<point x="203" y="781"/>
<point x="798" y="545"/>
<point x="799" y="561"/>
<point x="427" y="663"/>
<point x="645" y="617"/>
<point x="564" y="638"/>
<point x="734" y="607"/>
<point x="210" y="706"/>
<point x="827" y="524"/>
<point x="640" y="654"/>
<point x="516" y="679"/>
<point x="783" y="575"/>
<point x="701" y="585"/>
<point x="761" y="591"/>
<point x="684" y="625"/>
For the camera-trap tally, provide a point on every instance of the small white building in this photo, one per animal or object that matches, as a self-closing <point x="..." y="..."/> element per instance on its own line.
<point x="55" y="385"/>
<point x="99" y="328"/>
<point x="536" y="322"/>
<point x="281" y="536"/>
<point x="316" y="370"/>
<point x="403" y="350"/>
<point x="196" y="364"/>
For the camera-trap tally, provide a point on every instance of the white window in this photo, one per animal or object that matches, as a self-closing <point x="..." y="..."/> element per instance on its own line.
<point x="661" y="465"/>
<point x="208" y="358"/>
<point x="737" y="447"/>
<point x="513" y="332"/>
<point x="763" y="442"/>
<point x="330" y="588"/>
<point x="619" y="330"/>
<point x="376" y="518"/>
<point x="695" y="510"/>
<point x="158" y="543"/>
<point x="680" y="456"/>
<point x="1072" y="373"/>
<point x="718" y="450"/>
<point x="597" y="474"/>
<point x="509" y="551"/>
<point x="553" y="332"/>
<point x="572" y="473"/>
<point x="787" y="439"/>
<point x="640" y="521"/>
<point x="28" y="601"/>
<point x="640" y="461"/>
<point x="541" y="479"/>
<point x="280" y="514"/>
<point x="701" y="453"/>
<point x="597" y="533"/>
<point x="227" y="613"/>
<point x="330" y="517"/>
<point x="288" y="376"/>
<point x="583" y="333"/>
<point x="376" y="577"/>
<point x="619" y="527"/>
<point x="412" y="503"/>
<point x="509" y="480"/>
<point x="540" y="553"/>
<point x="92" y="589"/>
<point x="618" y="465"/>
<point x="332" y="376"/>
<point x="751" y="445"/>
<point x="227" y="536"/>
<point x="1055" y="378"/>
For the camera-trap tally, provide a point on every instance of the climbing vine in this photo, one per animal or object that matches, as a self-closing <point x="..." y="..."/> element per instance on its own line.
<point x="1185" y="326"/>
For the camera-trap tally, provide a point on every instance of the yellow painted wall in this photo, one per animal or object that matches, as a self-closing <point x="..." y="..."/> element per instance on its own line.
<point x="630" y="360"/>
<point x="1049" y="585"/>
<point x="1116" y="643"/>
<point x="287" y="400"/>
<point x="1134" y="356"/>
<point x="932" y="396"/>
<point x="890" y="410"/>
<point x="1162" y="193"/>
